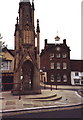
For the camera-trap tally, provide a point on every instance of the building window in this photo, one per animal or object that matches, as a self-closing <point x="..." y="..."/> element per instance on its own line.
<point x="52" y="65"/>
<point x="58" y="65"/>
<point x="58" y="55"/>
<point x="64" y="55"/>
<point x="81" y="82"/>
<point x="58" y="78"/>
<point x="64" y="65"/>
<point x="64" y="78"/>
<point x="51" y="56"/>
<point x="76" y="81"/>
<point x="76" y="74"/>
<point x="6" y="65"/>
<point x="52" y="78"/>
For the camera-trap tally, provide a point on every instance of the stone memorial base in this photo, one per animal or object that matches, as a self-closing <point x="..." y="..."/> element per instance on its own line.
<point x="26" y="92"/>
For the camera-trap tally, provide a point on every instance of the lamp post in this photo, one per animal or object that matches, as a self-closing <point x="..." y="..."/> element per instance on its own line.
<point x="44" y="83"/>
<point x="44" y="70"/>
<point x="20" y="91"/>
<point x="56" y="86"/>
<point x="19" y="95"/>
<point x="20" y="87"/>
<point x="51" y="86"/>
<point x="52" y="81"/>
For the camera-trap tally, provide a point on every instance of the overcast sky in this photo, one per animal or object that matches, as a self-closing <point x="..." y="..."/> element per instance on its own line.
<point x="63" y="16"/>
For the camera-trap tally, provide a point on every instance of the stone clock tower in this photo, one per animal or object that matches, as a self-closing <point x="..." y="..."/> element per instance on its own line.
<point x="27" y="60"/>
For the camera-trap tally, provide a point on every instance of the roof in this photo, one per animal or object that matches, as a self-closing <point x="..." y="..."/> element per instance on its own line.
<point x="76" y="65"/>
<point x="11" y="51"/>
<point x="49" y="46"/>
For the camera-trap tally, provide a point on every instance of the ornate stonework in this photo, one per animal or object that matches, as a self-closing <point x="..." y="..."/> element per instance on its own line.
<point x="27" y="60"/>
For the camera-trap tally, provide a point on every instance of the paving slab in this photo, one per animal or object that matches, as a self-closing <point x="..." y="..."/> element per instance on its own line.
<point x="48" y="98"/>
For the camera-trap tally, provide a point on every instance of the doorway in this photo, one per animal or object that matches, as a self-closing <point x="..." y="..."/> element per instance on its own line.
<point x="27" y="73"/>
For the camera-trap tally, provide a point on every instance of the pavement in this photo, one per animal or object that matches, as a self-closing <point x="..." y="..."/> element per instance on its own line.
<point x="63" y="97"/>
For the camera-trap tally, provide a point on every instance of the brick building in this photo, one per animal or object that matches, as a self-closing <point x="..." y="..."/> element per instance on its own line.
<point x="55" y="63"/>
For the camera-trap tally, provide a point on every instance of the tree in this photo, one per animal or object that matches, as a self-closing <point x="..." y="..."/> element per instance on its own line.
<point x="2" y="45"/>
<point x="0" y="36"/>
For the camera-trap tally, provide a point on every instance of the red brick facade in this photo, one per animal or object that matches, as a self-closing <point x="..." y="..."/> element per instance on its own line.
<point x="55" y="60"/>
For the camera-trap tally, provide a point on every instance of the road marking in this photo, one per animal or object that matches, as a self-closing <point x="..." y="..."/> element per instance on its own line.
<point x="78" y="94"/>
<point x="60" y="103"/>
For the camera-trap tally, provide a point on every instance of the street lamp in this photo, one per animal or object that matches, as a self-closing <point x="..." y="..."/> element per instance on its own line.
<point x="20" y="87"/>
<point x="52" y="81"/>
<point x="56" y="86"/>
<point x="44" y="70"/>
<point x="44" y="83"/>
<point x="19" y="93"/>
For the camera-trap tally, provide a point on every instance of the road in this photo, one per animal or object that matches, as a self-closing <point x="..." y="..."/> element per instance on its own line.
<point x="55" y="113"/>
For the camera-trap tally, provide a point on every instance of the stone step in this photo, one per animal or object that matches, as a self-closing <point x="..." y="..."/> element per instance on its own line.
<point x="44" y="97"/>
<point x="50" y="99"/>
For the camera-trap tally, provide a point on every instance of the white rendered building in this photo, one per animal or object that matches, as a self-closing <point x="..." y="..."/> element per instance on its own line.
<point x="77" y="72"/>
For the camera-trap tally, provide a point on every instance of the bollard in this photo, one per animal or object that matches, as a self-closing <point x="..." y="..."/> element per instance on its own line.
<point x="51" y="87"/>
<point x="56" y="87"/>
<point x="19" y="97"/>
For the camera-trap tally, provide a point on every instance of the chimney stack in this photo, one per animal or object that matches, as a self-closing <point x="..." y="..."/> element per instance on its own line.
<point x="64" y="41"/>
<point x="45" y="42"/>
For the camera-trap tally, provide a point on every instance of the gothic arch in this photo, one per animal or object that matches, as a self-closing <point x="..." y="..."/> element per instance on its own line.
<point x="27" y="58"/>
<point x="27" y="73"/>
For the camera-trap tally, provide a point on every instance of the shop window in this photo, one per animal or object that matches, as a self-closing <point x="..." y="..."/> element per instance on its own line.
<point x="52" y="65"/>
<point x="58" y="65"/>
<point x="64" y="65"/>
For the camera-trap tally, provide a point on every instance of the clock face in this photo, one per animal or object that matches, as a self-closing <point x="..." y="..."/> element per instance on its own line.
<point x="58" y="48"/>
